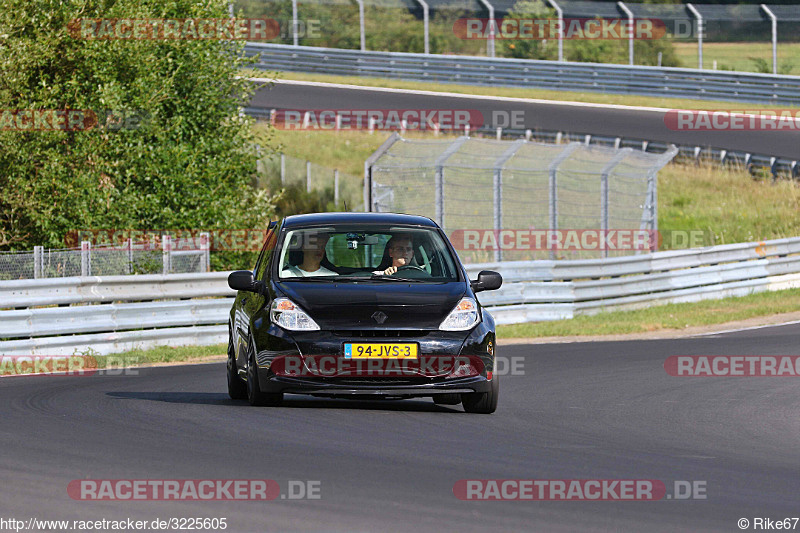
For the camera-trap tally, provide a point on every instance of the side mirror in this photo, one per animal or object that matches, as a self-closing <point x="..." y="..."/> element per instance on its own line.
<point x="242" y="280"/>
<point x="487" y="281"/>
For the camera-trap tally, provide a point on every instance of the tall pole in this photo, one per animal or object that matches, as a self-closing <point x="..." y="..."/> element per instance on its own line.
<point x="361" y="24"/>
<point x="699" y="18"/>
<point x="774" y="20"/>
<point x="629" y="13"/>
<point x="492" y="29"/>
<point x="295" y="39"/>
<point x="425" y="21"/>
<point x="560" y="13"/>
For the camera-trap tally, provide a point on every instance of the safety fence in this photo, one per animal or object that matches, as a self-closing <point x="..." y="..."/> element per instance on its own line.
<point x="103" y="315"/>
<point x="701" y="23"/>
<point x="468" y="184"/>
<point x="344" y="189"/>
<point x="159" y="254"/>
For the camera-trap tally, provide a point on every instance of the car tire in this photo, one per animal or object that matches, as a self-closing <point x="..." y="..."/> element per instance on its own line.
<point x="447" y="399"/>
<point x="237" y="389"/>
<point x="254" y="394"/>
<point x="482" y="402"/>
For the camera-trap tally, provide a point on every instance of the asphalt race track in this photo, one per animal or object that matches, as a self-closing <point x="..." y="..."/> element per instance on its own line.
<point x="604" y="410"/>
<point x="598" y="119"/>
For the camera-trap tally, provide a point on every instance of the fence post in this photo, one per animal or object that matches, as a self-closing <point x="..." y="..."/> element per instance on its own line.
<point x="774" y="21"/>
<point x="552" y="185"/>
<point x="498" y="193"/>
<point x="205" y="246"/>
<point x="336" y="186"/>
<point x="308" y="176"/>
<point x="295" y="40"/>
<point x="629" y="14"/>
<point x="38" y="253"/>
<point x="86" y="258"/>
<point x="166" y="253"/>
<point x="699" y="18"/>
<point x="439" y="177"/>
<point x="130" y="255"/>
<point x="283" y="169"/>
<point x="560" y="13"/>
<point x="614" y="161"/>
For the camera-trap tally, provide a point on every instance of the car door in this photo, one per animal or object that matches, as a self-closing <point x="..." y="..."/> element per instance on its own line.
<point x="251" y="302"/>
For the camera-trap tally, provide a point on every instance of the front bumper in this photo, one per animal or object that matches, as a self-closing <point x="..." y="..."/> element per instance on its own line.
<point x="449" y="363"/>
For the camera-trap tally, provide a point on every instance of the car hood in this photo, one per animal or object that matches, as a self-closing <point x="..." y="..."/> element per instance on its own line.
<point x="343" y="306"/>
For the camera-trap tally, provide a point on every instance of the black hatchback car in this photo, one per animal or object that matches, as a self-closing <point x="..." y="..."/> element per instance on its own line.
<point x="361" y="305"/>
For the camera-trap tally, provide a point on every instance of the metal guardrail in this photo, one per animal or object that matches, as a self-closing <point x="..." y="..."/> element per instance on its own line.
<point x="194" y="307"/>
<point x="529" y="73"/>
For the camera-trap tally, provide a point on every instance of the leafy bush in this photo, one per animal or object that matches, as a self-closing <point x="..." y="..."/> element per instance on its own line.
<point x="189" y="165"/>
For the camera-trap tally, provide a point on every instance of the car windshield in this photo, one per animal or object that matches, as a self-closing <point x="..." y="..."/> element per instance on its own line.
<point x="359" y="253"/>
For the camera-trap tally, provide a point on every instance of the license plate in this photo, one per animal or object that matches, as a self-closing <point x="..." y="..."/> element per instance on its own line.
<point x="380" y="351"/>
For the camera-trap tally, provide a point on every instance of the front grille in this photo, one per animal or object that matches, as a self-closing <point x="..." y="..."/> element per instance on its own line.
<point x="381" y="333"/>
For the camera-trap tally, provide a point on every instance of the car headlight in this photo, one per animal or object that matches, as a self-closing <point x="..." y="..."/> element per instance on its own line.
<point x="462" y="317"/>
<point x="288" y="315"/>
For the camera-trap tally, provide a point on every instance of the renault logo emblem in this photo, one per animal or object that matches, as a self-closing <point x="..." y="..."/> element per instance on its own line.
<point x="379" y="317"/>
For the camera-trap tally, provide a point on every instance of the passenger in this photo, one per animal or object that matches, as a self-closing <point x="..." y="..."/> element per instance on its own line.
<point x="313" y="254"/>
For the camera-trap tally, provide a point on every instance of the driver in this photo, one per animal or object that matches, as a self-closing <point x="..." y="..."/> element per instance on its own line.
<point x="401" y="252"/>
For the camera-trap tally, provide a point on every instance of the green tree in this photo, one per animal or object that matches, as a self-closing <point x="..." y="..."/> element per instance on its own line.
<point x="190" y="164"/>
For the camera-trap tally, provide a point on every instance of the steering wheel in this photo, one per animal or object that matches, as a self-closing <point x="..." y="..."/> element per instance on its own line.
<point x="415" y="267"/>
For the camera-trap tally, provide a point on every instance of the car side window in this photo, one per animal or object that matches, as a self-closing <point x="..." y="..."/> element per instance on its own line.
<point x="265" y="256"/>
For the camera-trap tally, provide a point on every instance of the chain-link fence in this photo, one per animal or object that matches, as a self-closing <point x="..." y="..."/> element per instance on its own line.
<point x="519" y="200"/>
<point x="343" y="189"/>
<point x="103" y="260"/>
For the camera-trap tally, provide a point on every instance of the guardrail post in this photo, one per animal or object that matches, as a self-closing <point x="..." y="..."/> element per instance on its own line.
<point x="774" y="21"/>
<point x="166" y="253"/>
<point x="699" y="18"/>
<point x="86" y="258"/>
<point x="38" y="263"/>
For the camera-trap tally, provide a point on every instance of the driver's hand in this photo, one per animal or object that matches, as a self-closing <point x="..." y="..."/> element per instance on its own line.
<point x="391" y="270"/>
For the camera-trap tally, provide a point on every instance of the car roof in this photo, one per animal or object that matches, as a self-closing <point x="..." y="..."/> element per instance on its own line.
<point x="314" y="219"/>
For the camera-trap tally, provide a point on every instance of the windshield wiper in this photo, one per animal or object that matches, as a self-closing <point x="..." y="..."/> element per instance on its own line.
<point x="390" y="278"/>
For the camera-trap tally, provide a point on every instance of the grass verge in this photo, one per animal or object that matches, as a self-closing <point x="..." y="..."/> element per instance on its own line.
<point x="662" y="317"/>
